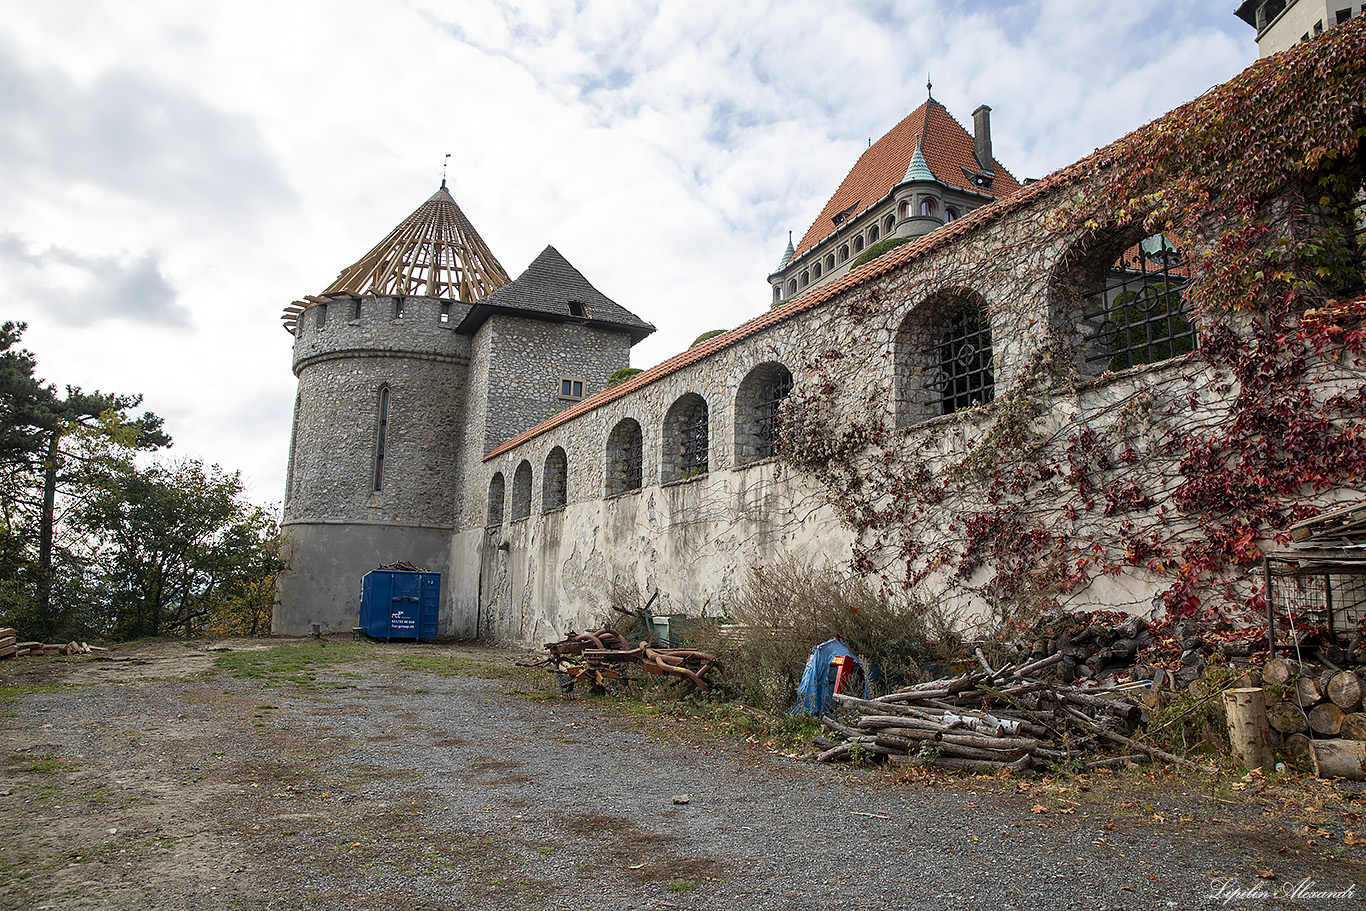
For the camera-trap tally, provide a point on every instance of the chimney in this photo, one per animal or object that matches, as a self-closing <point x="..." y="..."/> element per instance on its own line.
<point x="981" y="134"/>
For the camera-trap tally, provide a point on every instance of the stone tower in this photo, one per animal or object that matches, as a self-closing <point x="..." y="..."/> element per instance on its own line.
<point x="374" y="461"/>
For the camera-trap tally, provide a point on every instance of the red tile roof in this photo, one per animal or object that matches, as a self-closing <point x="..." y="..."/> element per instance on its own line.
<point x="947" y="147"/>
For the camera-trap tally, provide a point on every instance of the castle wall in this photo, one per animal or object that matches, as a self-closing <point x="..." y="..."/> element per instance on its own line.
<point x="860" y="357"/>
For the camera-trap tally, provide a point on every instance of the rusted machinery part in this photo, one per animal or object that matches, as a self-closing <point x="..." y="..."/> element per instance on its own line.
<point x="614" y="655"/>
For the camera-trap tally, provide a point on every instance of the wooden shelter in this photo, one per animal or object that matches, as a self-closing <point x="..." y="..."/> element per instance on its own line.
<point x="435" y="252"/>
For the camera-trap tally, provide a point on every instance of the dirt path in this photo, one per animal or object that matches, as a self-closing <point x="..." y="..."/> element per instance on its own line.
<point x="377" y="777"/>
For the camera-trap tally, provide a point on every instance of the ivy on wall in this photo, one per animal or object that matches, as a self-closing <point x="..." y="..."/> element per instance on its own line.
<point x="1187" y="469"/>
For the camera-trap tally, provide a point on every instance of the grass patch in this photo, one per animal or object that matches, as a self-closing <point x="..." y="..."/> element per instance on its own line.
<point x="682" y="885"/>
<point x="296" y="666"/>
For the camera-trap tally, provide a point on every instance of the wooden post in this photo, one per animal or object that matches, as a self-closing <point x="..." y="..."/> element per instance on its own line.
<point x="1248" y="731"/>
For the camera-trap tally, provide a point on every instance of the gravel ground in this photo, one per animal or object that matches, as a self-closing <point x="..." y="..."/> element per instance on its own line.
<point x="163" y="783"/>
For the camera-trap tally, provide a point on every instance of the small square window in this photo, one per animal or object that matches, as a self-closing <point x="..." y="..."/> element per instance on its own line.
<point x="445" y="313"/>
<point x="1344" y="14"/>
<point x="571" y="388"/>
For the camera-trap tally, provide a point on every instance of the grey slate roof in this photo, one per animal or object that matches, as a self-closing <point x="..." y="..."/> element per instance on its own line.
<point x="546" y="290"/>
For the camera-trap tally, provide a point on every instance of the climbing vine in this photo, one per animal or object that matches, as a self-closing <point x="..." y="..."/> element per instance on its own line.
<point x="1181" y="474"/>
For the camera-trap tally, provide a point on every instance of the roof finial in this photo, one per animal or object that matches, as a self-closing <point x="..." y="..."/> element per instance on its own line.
<point x="443" y="169"/>
<point x="929" y="86"/>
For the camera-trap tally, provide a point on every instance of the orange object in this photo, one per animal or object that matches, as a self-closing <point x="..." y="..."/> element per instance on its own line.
<point x="844" y="665"/>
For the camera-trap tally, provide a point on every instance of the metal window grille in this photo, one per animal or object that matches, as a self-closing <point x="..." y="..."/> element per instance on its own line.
<point x="771" y="395"/>
<point x="964" y="376"/>
<point x="1306" y="596"/>
<point x="693" y="440"/>
<point x="1144" y="307"/>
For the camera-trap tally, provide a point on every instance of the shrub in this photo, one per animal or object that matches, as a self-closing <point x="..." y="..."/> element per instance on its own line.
<point x="787" y="608"/>
<point x="622" y="375"/>
<point x="878" y="249"/>
<point x="710" y="333"/>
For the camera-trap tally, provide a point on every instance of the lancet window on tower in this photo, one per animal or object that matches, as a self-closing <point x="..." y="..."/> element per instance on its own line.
<point x="382" y="437"/>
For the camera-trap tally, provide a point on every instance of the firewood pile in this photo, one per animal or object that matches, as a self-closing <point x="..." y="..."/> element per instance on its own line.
<point x="1016" y="717"/>
<point x="11" y="647"/>
<point x="603" y="656"/>
<point x="1319" y="707"/>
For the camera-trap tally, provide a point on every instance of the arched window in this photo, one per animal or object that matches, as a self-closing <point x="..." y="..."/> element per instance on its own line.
<point x="844" y="252"/>
<point x="950" y="214"/>
<point x="943" y="359"/>
<point x="927" y="207"/>
<point x="806" y="279"/>
<point x="873" y="234"/>
<point x="830" y="262"/>
<point x="777" y="293"/>
<point x="382" y="436"/>
<point x="792" y="287"/>
<point x="521" y="491"/>
<point x="964" y="376"/>
<point x="904" y="210"/>
<point x="624" y="457"/>
<point x="685" y="439"/>
<point x="858" y="244"/>
<point x="816" y="271"/>
<point x="1140" y="313"/>
<point x="757" y="400"/>
<point x="888" y="224"/>
<point x="555" y="481"/>
<point x="495" y="515"/>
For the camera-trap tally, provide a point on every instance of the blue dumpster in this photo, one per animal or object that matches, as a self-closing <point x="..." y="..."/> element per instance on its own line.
<point x="400" y="605"/>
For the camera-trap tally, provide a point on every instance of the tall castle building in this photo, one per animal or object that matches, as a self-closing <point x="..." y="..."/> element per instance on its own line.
<point x="420" y="358"/>
<point x="925" y="172"/>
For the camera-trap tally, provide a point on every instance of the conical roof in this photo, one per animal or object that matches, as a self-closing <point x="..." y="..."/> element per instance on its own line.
<point x="435" y="252"/>
<point x="551" y="289"/>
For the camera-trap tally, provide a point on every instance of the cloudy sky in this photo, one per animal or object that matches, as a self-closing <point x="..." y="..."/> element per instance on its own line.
<point x="172" y="174"/>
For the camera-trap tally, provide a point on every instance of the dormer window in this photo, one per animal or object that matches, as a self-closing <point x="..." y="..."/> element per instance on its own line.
<point x="578" y="310"/>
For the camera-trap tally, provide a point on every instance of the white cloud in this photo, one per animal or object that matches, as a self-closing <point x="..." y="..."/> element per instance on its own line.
<point x="80" y="290"/>
<point x="249" y="151"/>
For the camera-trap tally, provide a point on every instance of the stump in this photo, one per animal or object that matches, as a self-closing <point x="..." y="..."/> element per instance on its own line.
<point x="1248" y="732"/>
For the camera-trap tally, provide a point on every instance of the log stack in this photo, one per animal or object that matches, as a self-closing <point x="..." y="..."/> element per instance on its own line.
<point x="1320" y="716"/>
<point x="989" y="720"/>
<point x="11" y="647"/>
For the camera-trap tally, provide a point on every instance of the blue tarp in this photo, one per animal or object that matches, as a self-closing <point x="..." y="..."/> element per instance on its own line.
<point x="818" y="680"/>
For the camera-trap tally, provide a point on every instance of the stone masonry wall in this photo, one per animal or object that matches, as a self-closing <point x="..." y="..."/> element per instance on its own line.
<point x="858" y="359"/>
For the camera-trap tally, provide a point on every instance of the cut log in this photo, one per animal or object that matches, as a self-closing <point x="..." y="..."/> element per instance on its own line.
<point x="1354" y="726"/>
<point x="1296" y="745"/>
<point x="1326" y="719"/>
<point x="1248" y="731"/>
<point x="1278" y="671"/>
<point x="8" y="651"/>
<point x="1339" y="759"/>
<point x="1288" y="718"/>
<point x="1307" y="690"/>
<point x="1344" y="688"/>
